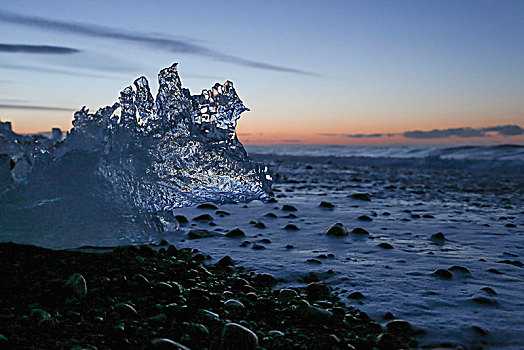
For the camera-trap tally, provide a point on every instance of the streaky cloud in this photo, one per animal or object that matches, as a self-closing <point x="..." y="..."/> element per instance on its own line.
<point x="506" y="130"/>
<point x="360" y="136"/>
<point x="37" y="49"/>
<point x="357" y="136"/>
<point x="54" y="71"/>
<point x="143" y="39"/>
<point x="35" y="107"/>
<point x="467" y="132"/>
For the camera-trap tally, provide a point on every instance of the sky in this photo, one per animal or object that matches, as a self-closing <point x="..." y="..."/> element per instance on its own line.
<point x="317" y="72"/>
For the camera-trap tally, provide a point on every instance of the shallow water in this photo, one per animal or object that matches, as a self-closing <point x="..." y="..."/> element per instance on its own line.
<point x="471" y="208"/>
<point x="473" y="203"/>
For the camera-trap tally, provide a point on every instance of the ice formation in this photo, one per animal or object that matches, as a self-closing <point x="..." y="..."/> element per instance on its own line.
<point x="140" y="154"/>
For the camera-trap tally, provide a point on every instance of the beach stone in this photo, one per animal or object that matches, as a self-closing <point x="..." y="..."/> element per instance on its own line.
<point x="203" y="217"/>
<point x="287" y="207"/>
<point x="399" y="327"/>
<point x="288" y="293"/>
<point x="225" y="262"/>
<point x="199" y="233"/>
<point x="314" y="261"/>
<point x="337" y="229"/>
<point x="439" y="236"/>
<point x="511" y="262"/>
<point x="222" y="213"/>
<point x="444" y="274"/>
<point x="233" y="304"/>
<point x="209" y="206"/>
<point x="290" y="216"/>
<point x="42" y="317"/>
<point x="313" y="314"/>
<point x="360" y="231"/>
<point x="385" y="245"/>
<point x="326" y="205"/>
<point x="171" y="250"/>
<point x="365" y="218"/>
<point x="291" y="227"/>
<point x="480" y="330"/>
<point x="260" y="224"/>
<point x="235" y="336"/>
<point x="317" y="291"/>
<point x="78" y="284"/>
<point x="276" y="333"/>
<point x="235" y="233"/>
<point x="257" y="246"/>
<point x="182" y="220"/>
<point x="271" y="215"/>
<point x="388" y="316"/>
<point x="167" y="344"/>
<point x="489" y="291"/>
<point x="125" y="310"/>
<point x="264" y="280"/>
<point x="495" y="271"/>
<point x="461" y="269"/>
<point x="484" y="301"/>
<point x="356" y="295"/>
<point x="361" y="197"/>
<point x="387" y="341"/>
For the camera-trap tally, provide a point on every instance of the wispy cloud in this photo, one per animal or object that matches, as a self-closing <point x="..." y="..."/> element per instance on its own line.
<point x="356" y="136"/>
<point x="142" y="39"/>
<point x="34" y="107"/>
<point x="37" y="49"/>
<point x="502" y="130"/>
<point x="53" y="70"/>
<point x="360" y="136"/>
<point x="466" y="132"/>
<point x="506" y="130"/>
<point x="444" y="133"/>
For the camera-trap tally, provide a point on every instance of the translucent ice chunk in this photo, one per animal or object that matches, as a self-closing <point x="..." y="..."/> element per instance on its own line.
<point x="151" y="154"/>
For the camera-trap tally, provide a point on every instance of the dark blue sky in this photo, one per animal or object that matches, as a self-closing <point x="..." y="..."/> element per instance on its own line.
<point x="306" y="69"/>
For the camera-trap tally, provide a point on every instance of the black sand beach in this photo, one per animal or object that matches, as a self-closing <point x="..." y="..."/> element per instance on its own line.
<point x="137" y="297"/>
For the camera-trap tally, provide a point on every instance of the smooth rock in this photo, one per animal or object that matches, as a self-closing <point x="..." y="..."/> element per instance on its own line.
<point x="356" y="295"/>
<point x="78" y="284"/>
<point x="444" y="274"/>
<point x="198" y="234"/>
<point x="337" y="229"/>
<point x="326" y="205"/>
<point x="125" y="310"/>
<point x="316" y="291"/>
<point x="182" y="220"/>
<point x="167" y="344"/>
<point x="203" y="217"/>
<point x="361" y="197"/>
<point x="399" y="327"/>
<point x="235" y="233"/>
<point x="385" y="245"/>
<point x="209" y="206"/>
<point x="287" y="207"/>
<point x="360" y="231"/>
<point x="235" y="337"/>
<point x="234" y="304"/>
